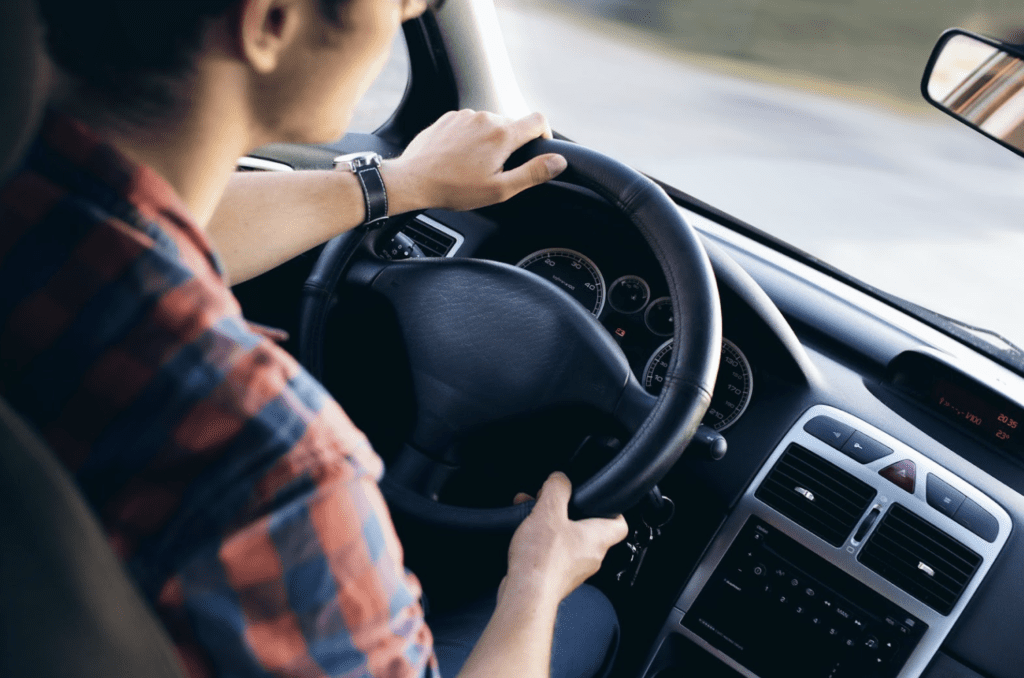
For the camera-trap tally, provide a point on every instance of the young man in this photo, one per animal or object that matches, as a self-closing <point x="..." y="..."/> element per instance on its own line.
<point x="238" y="494"/>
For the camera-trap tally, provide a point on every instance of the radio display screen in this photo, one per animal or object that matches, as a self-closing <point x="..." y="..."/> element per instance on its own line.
<point x="997" y="422"/>
<point x="969" y="405"/>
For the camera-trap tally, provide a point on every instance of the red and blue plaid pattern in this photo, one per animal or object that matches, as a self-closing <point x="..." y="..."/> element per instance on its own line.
<point x="237" y="493"/>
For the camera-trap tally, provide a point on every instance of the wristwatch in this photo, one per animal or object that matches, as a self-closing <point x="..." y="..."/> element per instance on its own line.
<point x="366" y="167"/>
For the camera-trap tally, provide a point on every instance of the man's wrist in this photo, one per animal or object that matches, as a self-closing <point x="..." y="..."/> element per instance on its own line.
<point x="533" y="587"/>
<point x="405" y="194"/>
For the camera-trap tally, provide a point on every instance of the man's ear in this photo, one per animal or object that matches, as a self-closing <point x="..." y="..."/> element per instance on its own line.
<point x="267" y="28"/>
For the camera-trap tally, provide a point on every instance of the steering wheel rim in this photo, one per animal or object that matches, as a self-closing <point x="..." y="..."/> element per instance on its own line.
<point x="661" y="434"/>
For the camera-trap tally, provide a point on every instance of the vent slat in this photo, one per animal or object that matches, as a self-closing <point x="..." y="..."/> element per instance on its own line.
<point x="902" y="541"/>
<point x="956" y="551"/>
<point x="899" y="557"/>
<point x="433" y="242"/>
<point x="823" y="528"/>
<point x="839" y="501"/>
<point x="787" y="493"/>
<point x="940" y="556"/>
<point x="841" y="506"/>
<point x="799" y="463"/>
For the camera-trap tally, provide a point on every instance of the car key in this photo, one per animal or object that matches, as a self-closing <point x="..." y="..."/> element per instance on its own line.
<point x="642" y="538"/>
<point x="638" y="544"/>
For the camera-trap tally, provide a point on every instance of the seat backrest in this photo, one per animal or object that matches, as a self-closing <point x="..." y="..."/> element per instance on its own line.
<point x="67" y="607"/>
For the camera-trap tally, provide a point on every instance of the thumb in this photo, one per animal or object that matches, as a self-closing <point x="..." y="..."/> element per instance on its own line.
<point x="533" y="172"/>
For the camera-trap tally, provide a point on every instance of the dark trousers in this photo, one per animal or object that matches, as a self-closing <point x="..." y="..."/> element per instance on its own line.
<point x="586" y="634"/>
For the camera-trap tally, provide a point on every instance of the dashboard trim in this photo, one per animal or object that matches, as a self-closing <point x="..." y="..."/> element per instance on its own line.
<point x="252" y="163"/>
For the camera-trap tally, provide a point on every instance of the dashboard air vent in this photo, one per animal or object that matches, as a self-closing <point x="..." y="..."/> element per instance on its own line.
<point x="816" y="494"/>
<point x="921" y="559"/>
<point x="432" y="240"/>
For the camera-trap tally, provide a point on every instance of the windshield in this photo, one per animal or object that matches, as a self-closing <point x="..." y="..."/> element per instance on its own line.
<point x="803" y="118"/>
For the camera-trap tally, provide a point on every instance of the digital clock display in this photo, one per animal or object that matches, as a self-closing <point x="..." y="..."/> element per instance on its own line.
<point x="970" y="405"/>
<point x="999" y="425"/>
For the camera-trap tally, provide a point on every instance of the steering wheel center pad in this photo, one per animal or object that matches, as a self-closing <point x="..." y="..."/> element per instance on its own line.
<point x="488" y="341"/>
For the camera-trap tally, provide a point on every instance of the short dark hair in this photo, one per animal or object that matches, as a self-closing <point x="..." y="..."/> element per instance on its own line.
<point x="127" y="52"/>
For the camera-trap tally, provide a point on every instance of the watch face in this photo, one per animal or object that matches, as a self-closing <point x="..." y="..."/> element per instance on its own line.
<point x="355" y="161"/>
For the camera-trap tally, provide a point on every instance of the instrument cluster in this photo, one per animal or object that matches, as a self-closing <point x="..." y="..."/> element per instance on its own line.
<point x="640" y="325"/>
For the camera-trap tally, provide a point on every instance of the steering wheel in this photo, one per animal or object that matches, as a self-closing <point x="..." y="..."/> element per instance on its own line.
<point x="488" y="341"/>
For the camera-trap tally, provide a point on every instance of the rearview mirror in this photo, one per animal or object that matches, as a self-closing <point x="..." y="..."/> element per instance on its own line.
<point x="980" y="82"/>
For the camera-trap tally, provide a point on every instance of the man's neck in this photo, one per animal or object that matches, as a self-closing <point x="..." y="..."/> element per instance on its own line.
<point x="194" y="150"/>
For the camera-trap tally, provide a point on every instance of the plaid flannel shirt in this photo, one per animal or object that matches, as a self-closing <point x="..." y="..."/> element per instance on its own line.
<point x="237" y="493"/>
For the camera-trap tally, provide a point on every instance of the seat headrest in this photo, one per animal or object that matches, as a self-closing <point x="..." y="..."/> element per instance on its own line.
<point x="23" y="80"/>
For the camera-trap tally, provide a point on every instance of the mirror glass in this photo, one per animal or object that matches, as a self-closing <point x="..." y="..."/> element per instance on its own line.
<point x="981" y="84"/>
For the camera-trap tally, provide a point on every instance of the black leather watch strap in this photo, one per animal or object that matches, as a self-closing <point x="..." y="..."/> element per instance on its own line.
<point x="366" y="167"/>
<point x="375" y="195"/>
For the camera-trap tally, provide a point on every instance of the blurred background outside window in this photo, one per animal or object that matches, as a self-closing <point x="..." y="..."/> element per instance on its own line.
<point x="386" y="92"/>
<point x="801" y="117"/>
<point x="804" y="118"/>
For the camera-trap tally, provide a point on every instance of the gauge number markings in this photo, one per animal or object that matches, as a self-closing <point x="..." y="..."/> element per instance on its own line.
<point x="733" y="386"/>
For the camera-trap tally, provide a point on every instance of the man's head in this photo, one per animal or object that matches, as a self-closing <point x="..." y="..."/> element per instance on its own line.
<point x="139" y="59"/>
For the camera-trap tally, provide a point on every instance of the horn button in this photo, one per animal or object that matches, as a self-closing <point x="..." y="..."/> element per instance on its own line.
<point x="502" y="342"/>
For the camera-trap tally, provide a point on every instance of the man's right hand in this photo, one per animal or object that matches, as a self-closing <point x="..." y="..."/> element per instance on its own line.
<point x="458" y="162"/>
<point x="550" y="554"/>
<point x="549" y="557"/>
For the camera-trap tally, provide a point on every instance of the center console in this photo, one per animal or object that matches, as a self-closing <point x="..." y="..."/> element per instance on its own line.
<point x="850" y="556"/>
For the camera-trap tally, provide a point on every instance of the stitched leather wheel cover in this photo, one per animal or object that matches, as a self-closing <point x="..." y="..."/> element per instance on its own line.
<point x="689" y="381"/>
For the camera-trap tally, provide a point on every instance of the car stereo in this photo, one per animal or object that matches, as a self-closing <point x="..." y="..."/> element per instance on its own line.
<point x="781" y="611"/>
<point x="850" y="555"/>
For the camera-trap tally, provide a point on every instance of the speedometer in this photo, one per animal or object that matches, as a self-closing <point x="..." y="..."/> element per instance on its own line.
<point x="733" y="386"/>
<point x="571" y="271"/>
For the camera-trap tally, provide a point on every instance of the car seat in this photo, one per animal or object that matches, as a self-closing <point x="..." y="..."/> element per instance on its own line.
<point x="67" y="608"/>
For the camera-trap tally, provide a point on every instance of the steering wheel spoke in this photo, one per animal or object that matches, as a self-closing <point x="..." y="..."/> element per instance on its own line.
<point x="634" y="406"/>
<point x="419" y="472"/>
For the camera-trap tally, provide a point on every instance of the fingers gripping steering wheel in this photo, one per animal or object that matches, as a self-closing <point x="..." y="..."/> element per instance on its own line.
<point x="488" y="341"/>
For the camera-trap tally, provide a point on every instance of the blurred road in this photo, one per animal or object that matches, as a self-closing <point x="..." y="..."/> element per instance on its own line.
<point x="910" y="202"/>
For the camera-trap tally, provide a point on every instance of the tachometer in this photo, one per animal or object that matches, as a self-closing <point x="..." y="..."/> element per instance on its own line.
<point x="733" y="387"/>
<point x="573" y="272"/>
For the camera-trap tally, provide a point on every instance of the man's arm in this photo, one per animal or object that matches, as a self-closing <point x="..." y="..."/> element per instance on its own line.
<point x="266" y="218"/>
<point x="549" y="557"/>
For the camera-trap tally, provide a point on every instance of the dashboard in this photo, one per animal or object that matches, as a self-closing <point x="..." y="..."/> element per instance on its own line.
<point x="827" y="398"/>
<point x="849" y="554"/>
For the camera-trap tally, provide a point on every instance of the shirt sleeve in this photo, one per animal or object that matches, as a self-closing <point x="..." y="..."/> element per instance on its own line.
<point x="294" y="567"/>
<point x="311" y="580"/>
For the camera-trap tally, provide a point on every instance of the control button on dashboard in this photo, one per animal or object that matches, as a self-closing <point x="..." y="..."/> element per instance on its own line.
<point x="865" y="449"/>
<point x="903" y="474"/>
<point x="829" y="430"/>
<point x="977" y="520"/>
<point x="942" y="496"/>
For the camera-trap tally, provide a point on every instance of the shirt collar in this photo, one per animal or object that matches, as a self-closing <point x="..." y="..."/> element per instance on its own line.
<point x="116" y="175"/>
